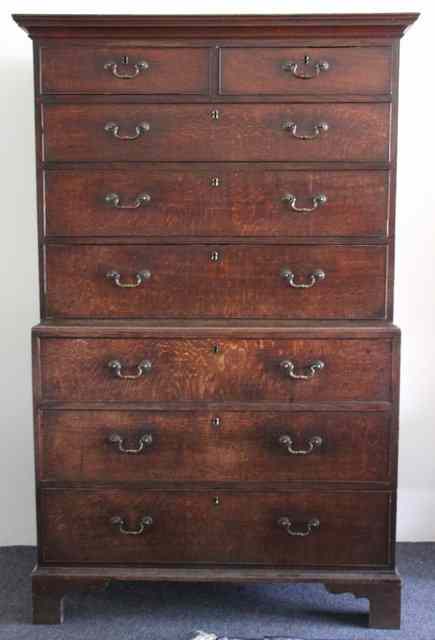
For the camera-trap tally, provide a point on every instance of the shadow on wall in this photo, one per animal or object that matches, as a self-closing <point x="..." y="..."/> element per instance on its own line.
<point x="414" y="296"/>
<point x="19" y="298"/>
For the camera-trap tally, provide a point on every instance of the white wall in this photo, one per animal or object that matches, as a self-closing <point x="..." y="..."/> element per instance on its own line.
<point x="415" y="257"/>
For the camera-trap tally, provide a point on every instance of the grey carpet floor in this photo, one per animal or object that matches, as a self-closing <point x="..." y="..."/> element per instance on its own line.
<point x="162" y="611"/>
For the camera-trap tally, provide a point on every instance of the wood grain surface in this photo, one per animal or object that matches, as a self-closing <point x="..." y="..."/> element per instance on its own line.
<point x="192" y="528"/>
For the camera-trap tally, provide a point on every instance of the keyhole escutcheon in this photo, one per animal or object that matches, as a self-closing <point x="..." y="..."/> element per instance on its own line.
<point x="214" y="256"/>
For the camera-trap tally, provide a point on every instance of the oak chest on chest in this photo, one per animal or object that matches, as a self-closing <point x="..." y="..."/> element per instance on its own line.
<point x="215" y="371"/>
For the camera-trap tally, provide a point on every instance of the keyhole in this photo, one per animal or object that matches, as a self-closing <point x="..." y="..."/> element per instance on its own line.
<point x="124" y="59"/>
<point x="216" y="501"/>
<point x="216" y="421"/>
<point x="214" y="256"/>
<point x="216" y="348"/>
<point x="215" y="181"/>
<point x="307" y="59"/>
<point x="215" y="114"/>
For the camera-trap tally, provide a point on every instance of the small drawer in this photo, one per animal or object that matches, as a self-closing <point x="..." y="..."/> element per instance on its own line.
<point x="226" y="132"/>
<point x="146" y="527"/>
<point x="305" y="70"/>
<point x="124" y="70"/>
<point x="215" y="200"/>
<point x="188" y="370"/>
<point x="224" y="281"/>
<point x="220" y="446"/>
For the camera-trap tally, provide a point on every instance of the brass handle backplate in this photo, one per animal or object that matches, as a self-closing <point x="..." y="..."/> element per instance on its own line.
<point x="142" y="368"/>
<point x="289" y="367"/>
<point x="114" y="200"/>
<point x="141" y="276"/>
<point x="287" y="524"/>
<point x="318" y="200"/>
<point x="313" y="278"/>
<point x="137" y="67"/>
<point x="144" y="441"/>
<point x="120" y="522"/>
<point x="292" y="127"/>
<point x="287" y="442"/>
<point x="301" y="71"/>
<point x="113" y="129"/>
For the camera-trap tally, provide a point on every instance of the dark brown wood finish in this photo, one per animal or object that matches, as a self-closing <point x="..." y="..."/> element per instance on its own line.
<point x="216" y="329"/>
<point x="306" y="26"/>
<point x="205" y="446"/>
<point x="215" y="370"/>
<point x="215" y="164"/>
<point x="260" y="71"/>
<point x="237" y="527"/>
<point x="48" y="594"/>
<point x="215" y="200"/>
<point x="224" y="281"/>
<point x="356" y="132"/>
<point x="384" y="601"/>
<point x="176" y="70"/>
<point x="381" y="588"/>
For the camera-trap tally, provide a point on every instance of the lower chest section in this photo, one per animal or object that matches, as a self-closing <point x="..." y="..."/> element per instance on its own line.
<point x="216" y="446"/>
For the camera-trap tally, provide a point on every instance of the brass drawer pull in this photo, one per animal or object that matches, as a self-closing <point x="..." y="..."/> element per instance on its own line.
<point x="317" y="67"/>
<point x="143" y="367"/>
<point x="144" y="441"/>
<point x="141" y="276"/>
<point x="313" y="443"/>
<point x="313" y="369"/>
<point x="137" y="66"/>
<point x="119" y="522"/>
<point x="287" y="525"/>
<point x="318" y="128"/>
<point x="113" y="129"/>
<point x="313" y="278"/>
<point x="113" y="200"/>
<point x="318" y="200"/>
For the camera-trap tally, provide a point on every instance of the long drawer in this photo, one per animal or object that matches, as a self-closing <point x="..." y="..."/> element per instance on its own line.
<point x="203" y="446"/>
<point x="223" y="281"/>
<point x="215" y="200"/>
<point x="186" y="370"/>
<point x="227" y="132"/>
<point x="136" y="526"/>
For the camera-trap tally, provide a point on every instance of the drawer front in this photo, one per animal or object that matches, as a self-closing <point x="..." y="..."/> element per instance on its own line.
<point x="183" y="446"/>
<point x="186" y="370"/>
<point x="243" y="528"/>
<point x="215" y="201"/>
<point x="222" y="281"/>
<point x="309" y="71"/>
<point x="124" y="70"/>
<point x="227" y="132"/>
